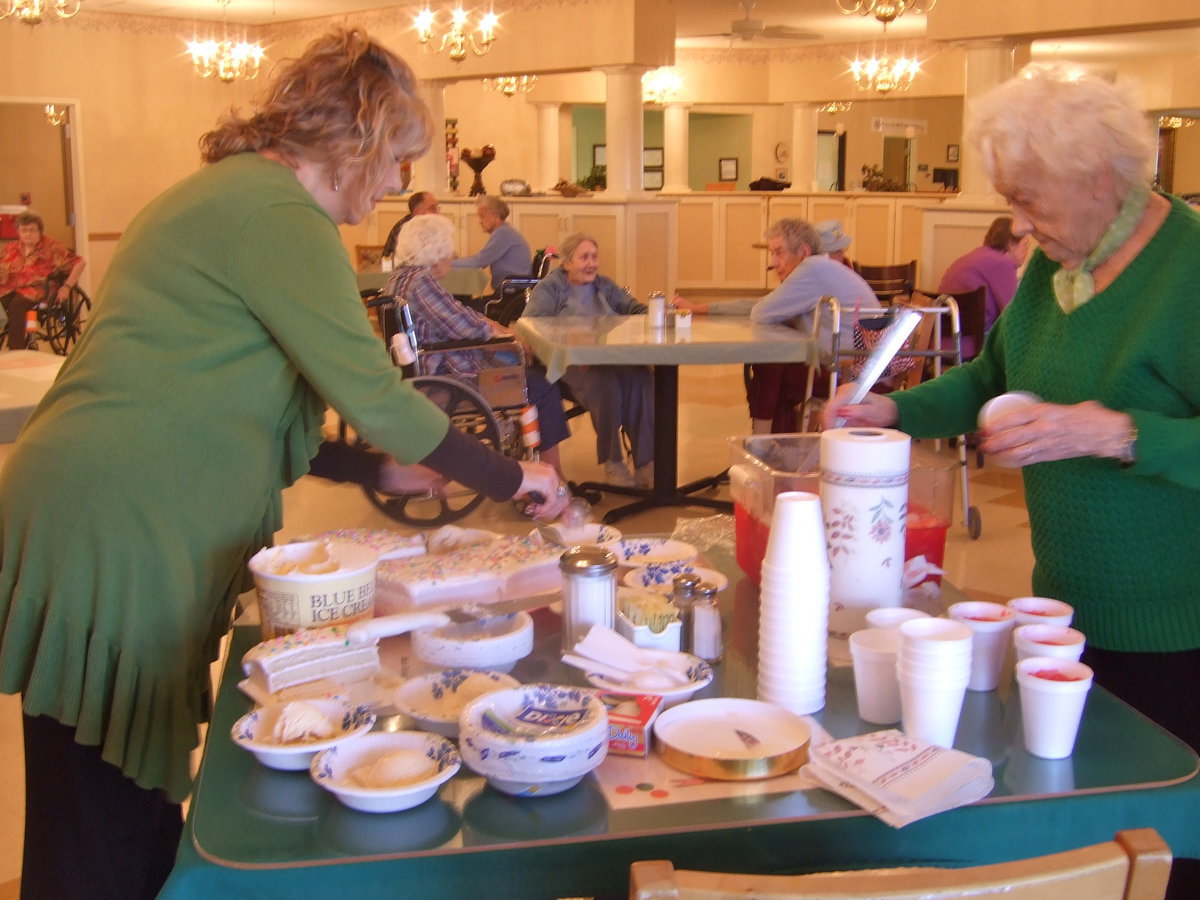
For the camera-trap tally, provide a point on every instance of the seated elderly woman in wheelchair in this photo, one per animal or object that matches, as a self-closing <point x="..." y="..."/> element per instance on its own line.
<point x="26" y="269"/>
<point x="424" y="251"/>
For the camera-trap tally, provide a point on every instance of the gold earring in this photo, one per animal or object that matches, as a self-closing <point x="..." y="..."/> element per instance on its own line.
<point x="336" y="186"/>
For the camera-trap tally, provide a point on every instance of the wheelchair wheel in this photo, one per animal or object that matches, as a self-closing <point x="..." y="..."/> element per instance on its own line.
<point x="62" y="322"/>
<point x="468" y="413"/>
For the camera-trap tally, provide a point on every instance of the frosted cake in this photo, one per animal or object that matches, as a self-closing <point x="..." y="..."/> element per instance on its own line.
<point x="388" y="544"/>
<point x="307" y="655"/>
<point x="497" y="570"/>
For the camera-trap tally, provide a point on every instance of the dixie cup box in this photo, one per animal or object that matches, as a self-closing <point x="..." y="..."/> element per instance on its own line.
<point x="630" y="717"/>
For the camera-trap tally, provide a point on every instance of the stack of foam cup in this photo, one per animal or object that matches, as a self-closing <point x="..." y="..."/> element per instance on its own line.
<point x="1053" y="693"/>
<point x="991" y="626"/>
<point x="892" y="616"/>
<point x="933" y="666"/>
<point x="793" y="618"/>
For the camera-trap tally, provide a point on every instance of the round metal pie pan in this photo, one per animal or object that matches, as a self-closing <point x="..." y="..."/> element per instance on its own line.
<point x="732" y="739"/>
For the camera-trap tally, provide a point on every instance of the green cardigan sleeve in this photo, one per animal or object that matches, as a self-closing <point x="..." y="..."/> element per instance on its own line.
<point x="312" y="310"/>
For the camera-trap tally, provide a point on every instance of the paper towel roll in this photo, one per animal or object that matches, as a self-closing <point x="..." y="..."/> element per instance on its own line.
<point x="864" y="494"/>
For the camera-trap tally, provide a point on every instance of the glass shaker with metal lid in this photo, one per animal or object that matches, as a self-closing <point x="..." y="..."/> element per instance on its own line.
<point x="589" y="591"/>
<point x="706" y="641"/>
<point x="683" y="591"/>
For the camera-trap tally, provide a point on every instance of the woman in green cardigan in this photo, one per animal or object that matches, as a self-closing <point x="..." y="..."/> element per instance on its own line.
<point x="1103" y="328"/>
<point x="228" y="320"/>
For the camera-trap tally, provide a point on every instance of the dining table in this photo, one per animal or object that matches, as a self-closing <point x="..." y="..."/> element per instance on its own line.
<point x="563" y="341"/>
<point x="253" y="831"/>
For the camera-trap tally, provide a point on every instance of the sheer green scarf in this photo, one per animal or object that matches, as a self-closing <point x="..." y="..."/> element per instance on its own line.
<point x="1075" y="287"/>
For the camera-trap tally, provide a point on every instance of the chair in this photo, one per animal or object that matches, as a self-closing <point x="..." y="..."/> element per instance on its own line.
<point x="507" y="307"/>
<point x="1135" y="865"/>
<point x="59" y="322"/>
<point x="889" y="282"/>
<point x="971" y="316"/>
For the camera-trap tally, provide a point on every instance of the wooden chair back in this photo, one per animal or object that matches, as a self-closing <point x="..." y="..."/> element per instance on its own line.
<point x="971" y="318"/>
<point x="1134" y="865"/>
<point x="889" y="282"/>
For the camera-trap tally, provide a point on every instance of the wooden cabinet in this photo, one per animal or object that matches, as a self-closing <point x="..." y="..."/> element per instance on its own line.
<point x="716" y="242"/>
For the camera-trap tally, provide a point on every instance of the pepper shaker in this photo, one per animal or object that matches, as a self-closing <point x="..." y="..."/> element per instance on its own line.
<point x="682" y="597"/>
<point x="589" y="591"/>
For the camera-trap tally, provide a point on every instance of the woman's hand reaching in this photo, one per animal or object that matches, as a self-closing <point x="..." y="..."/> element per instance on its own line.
<point x="875" y="410"/>
<point x="541" y="479"/>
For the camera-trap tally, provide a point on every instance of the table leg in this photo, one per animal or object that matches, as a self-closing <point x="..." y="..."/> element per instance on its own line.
<point x="666" y="491"/>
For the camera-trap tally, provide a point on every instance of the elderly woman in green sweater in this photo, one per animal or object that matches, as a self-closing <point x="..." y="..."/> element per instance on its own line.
<point x="1103" y="328"/>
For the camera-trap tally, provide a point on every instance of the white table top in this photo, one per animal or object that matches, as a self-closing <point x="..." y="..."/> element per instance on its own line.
<point x="561" y="341"/>
<point x="25" y="376"/>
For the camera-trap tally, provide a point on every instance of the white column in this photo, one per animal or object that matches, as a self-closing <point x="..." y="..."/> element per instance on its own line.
<point x="676" y="147"/>
<point x="623" y="132"/>
<point x="548" y="147"/>
<point x="429" y="172"/>
<point x="804" y="148"/>
<point x="988" y="65"/>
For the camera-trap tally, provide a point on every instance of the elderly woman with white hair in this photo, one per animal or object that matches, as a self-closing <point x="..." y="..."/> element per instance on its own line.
<point x="1103" y="328"/>
<point x="424" y="252"/>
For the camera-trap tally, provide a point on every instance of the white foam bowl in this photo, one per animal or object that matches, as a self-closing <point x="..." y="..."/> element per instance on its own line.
<point x="255" y="732"/>
<point x="333" y="768"/>
<point x="435" y="700"/>
<point x="493" y="643"/>
<point x="500" y="737"/>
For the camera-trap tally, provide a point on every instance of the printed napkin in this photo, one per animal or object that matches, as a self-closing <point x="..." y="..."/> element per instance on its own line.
<point x="897" y="778"/>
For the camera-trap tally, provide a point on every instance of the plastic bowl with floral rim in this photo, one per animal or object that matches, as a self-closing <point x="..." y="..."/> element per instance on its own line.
<point x="434" y="700"/>
<point x="643" y="551"/>
<point x="386" y="771"/>
<point x="286" y="736"/>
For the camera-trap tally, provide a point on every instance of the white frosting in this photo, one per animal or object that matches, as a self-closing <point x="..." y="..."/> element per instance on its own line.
<point x="308" y="655"/>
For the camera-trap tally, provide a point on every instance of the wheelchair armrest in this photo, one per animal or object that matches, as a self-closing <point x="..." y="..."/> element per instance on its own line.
<point x="467" y="344"/>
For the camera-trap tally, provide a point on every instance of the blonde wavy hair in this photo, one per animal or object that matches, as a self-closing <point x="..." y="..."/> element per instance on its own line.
<point x="1051" y="123"/>
<point x="346" y="101"/>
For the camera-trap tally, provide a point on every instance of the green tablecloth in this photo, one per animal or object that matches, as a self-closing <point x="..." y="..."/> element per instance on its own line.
<point x="464" y="282"/>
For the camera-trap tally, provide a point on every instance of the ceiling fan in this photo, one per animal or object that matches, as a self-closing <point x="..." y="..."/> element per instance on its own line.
<point x="748" y="28"/>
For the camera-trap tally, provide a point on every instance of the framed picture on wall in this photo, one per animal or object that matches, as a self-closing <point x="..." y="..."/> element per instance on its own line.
<point x="652" y="157"/>
<point x="599" y="155"/>
<point x="952" y="153"/>
<point x="652" y="179"/>
<point x="728" y="168"/>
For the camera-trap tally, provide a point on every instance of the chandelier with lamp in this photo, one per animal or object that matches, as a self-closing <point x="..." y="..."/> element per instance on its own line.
<point x="884" y="11"/>
<point x="34" y="12"/>
<point x="227" y="60"/>
<point x="457" y="37"/>
<point x="659" y="86"/>
<point x="510" y="85"/>
<point x="56" y="115"/>
<point x="834" y="106"/>
<point x="884" y="73"/>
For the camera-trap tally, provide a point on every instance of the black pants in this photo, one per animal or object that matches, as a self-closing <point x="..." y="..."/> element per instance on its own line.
<point x="17" y="307"/>
<point x="90" y="832"/>
<point x="1161" y="687"/>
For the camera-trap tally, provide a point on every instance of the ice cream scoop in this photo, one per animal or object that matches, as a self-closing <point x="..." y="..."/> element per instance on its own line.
<point x="302" y="721"/>
<point x="395" y="769"/>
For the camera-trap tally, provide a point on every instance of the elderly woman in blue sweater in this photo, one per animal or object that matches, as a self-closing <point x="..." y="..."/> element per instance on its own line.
<point x="618" y="398"/>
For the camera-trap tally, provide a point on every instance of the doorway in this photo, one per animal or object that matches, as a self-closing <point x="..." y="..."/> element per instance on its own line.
<point x="831" y="161"/>
<point x="897" y="160"/>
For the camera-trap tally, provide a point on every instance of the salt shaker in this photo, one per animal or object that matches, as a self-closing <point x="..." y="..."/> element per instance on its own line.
<point x="589" y="591"/>
<point x="683" y="590"/>
<point x="656" y="311"/>
<point x="706" y="624"/>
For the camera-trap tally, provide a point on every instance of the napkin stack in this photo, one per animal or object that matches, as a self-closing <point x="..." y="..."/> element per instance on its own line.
<point x="897" y="778"/>
<point x="604" y="652"/>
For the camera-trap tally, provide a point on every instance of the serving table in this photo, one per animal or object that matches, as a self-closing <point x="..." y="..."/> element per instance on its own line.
<point x="252" y="831"/>
<point x="563" y="341"/>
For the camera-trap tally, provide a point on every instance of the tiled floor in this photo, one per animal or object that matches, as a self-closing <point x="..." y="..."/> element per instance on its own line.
<point x="712" y="405"/>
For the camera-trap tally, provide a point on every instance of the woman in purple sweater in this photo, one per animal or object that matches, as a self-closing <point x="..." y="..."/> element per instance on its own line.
<point x="992" y="266"/>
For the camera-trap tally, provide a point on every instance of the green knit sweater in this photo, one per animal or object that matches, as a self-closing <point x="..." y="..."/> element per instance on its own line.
<point x="153" y="468"/>
<point x="1121" y="545"/>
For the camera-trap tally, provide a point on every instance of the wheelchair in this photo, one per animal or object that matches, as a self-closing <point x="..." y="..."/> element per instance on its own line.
<point x="59" y="322"/>
<point x="492" y="406"/>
